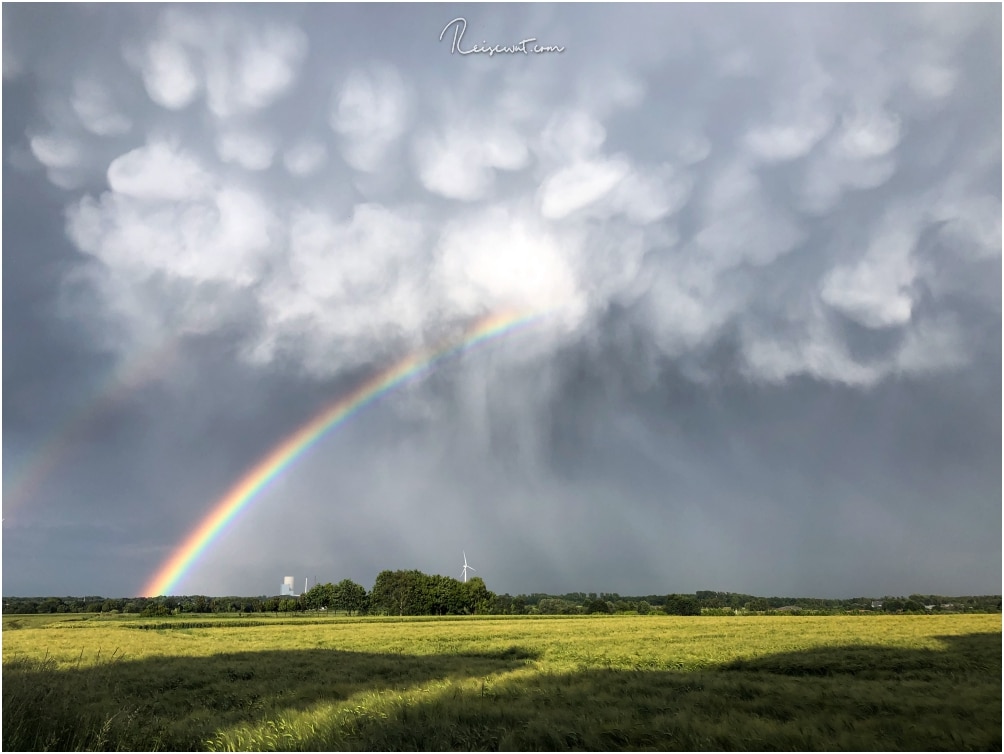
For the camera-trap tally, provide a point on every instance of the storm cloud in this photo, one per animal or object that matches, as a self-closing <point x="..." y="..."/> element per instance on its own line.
<point x="768" y="240"/>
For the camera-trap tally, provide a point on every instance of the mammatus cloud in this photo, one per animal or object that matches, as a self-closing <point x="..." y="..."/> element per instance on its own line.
<point x="695" y="232"/>
<point x="370" y="112"/>
<point x="169" y="74"/>
<point x="875" y="290"/>
<point x="461" y="163"/>
<point x="159" y="172"/>
<point x="305" y="158"/>
<point x="239" y="67"/>
<point x="94" y="105"/>
<point x="249" y="150"/>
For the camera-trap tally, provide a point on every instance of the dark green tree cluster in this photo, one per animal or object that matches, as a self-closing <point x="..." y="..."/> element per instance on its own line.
<point x="682" y="604"/>
<point x="346" y="596"/>
<point x="416" y="593"/>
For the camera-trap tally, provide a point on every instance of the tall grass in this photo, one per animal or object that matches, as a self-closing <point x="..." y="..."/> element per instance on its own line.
<point x="587" y="683"/>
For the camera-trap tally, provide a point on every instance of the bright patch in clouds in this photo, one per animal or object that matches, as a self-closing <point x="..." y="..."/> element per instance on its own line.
<point x="503" y="258"/>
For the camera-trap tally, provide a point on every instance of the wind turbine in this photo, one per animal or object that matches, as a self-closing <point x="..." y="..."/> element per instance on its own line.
<point x="467" y="568"/>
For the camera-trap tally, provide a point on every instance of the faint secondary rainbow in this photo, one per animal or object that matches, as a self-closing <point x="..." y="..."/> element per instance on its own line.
<point x="24" y="483"/>
<point x="293" y="446"/>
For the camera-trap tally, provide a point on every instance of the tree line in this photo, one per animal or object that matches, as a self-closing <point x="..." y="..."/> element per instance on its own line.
<point x="412" y="592"/>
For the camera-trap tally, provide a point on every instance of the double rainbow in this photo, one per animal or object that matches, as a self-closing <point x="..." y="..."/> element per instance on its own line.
<point x="297" y="443"/>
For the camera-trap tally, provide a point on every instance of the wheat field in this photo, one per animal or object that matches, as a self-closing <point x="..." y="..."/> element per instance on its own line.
<point x="656" y="682"/>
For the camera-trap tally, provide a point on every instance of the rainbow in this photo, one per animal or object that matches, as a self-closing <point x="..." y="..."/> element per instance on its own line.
<point x="302" y="439"/>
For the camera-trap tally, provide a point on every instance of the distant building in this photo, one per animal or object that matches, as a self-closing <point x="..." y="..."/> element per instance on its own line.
<point x="286" y="590"/>
<point x="877" y="604"/>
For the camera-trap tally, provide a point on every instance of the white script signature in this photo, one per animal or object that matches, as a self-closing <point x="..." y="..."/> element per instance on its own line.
<point x="524" y="45"/>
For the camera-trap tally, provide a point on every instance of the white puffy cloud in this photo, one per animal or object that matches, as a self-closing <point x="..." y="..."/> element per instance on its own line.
<point x="249" y="150"/>
<point x="56" y="151"/>
<point x="305" y="158"/>
<point x="346" y="286"/>
<point x="876" y="290"/>
<point x="569" y="136"/>
<point x="608" y="91"/>
<point x="645" y="196"/>
<point x="97" y="112"/>
<point x="740" y="224"/>
<point x="241" y="67"/>
<point x="788" y="140"/>
<point x="268" y="61"/>
<point x="869" y="134"/>
<point x="932" y="80"/>
<point x="370" y="112"/>
<point x="800" y="118"/>
<point x="220" y="236"/>
<point x="158" y="171"/>
<point x="686" y="304"/>
<point x="814" y="349"/>
<point x="461" y="162"/>
<point x="857" y="155"/>
<point x="62" y="156"/>
<point x="579" y="185"/>
<point x="168" y="74"/>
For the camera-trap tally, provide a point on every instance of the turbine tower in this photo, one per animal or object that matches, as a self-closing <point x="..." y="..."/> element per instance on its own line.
<point x="467" y="568"/>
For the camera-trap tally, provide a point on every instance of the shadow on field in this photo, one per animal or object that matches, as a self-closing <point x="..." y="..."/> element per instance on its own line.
<point x="853" y="697"/>
<point x="177" y="703"/>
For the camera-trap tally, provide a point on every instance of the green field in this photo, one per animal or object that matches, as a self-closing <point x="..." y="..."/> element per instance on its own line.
<point x="652" y="682"/>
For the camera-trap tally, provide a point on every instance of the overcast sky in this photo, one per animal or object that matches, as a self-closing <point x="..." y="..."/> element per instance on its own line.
<point x="771" y="237"/>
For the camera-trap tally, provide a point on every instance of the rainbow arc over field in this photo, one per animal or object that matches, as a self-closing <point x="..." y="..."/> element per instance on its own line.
<point x="303" y="438"/>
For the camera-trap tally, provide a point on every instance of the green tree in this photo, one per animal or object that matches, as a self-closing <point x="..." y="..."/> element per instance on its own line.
<point x="319" y="596"/>
<point x="477" y="599"/>
<point x="682" y="604"/>
<point x="597" y="606"/>
<point x="349" y="596"/>
<point x="155" y="608"/>
<point x="399" y="593"/>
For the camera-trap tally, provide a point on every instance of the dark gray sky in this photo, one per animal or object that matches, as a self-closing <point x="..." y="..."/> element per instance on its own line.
<point x="771" y="236"/>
